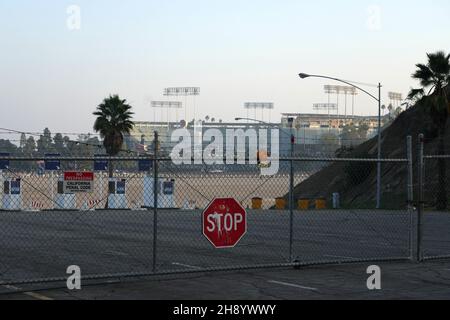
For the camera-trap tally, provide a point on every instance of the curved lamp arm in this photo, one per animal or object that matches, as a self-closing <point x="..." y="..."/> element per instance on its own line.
<point x="304" y="76"/>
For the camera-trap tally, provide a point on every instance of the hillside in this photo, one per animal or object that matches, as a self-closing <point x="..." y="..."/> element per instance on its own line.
<point x="356" y="182"/>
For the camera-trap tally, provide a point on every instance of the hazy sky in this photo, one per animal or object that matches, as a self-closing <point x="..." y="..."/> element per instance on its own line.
<point x="236" y="51"/>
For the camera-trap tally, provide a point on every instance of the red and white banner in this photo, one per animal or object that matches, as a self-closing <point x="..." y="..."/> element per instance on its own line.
<point x="78" y="182"/>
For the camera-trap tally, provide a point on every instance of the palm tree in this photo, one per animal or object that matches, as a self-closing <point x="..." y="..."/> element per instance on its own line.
<point x="113" y="121"/>
<point x="434" y="78"/>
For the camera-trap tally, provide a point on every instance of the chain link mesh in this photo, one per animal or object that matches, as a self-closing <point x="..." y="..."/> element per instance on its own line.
<point x="329" y="215"/>
<point x="435" y="216"/>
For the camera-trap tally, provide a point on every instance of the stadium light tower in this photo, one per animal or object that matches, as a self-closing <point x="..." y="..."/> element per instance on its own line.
<point x="259" y="106"/>
<point x="183" y="92"/>
<point x="168" y="105"/>
<point x="349" y="83"/>
<point x="395" y="97"/>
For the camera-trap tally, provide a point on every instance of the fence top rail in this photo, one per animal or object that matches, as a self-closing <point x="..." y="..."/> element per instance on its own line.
<point x="150" y="157"/>
<point x="437" y="156"/>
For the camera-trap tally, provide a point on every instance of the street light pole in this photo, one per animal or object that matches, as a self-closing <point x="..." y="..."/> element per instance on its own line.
<point x="379" y="150"/>
<point x="378" y="195"/>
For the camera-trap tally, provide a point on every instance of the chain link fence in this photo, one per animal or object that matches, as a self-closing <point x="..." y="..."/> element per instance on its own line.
<point x="434" y="208"/>
<point x="143" y="216"/>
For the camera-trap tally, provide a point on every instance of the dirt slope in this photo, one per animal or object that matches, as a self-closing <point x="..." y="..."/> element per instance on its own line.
<point x="356" y="182"/>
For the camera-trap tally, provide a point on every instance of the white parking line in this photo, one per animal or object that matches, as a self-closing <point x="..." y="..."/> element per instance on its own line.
<point x="186" y="266"/>
<point x="293" y="285"/>
<point x="30" y="294"/>
<point x="37" y="296"/>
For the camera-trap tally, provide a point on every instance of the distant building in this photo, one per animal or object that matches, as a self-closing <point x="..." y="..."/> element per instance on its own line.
<point x="325" y="121"/>
<point x="308" y="131"/>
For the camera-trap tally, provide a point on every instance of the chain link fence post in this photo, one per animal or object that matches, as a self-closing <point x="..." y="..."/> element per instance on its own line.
<point x="420" y="206"/>
<point x="410" y="191"/>
<point x="291" y="209"/>
<point x="155" y="199"/>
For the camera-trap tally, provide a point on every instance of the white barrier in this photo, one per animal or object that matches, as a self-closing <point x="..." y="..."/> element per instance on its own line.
<point x="64" y="201"/>
<point x="12" y="195"/>
<point x="166" y="191"/>
<point x="117" y="194"/>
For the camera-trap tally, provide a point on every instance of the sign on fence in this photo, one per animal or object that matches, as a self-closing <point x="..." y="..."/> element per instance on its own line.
<point x="168" y="187"/>
<point x="4" y="164"/>
<point x="78" y="182"/>
<point x="120" y="187"/>
<point x="53" y="164"/>
<point x="100" y="164"/>
<point x="15" y="187"/>
<point x="224" y="223"/>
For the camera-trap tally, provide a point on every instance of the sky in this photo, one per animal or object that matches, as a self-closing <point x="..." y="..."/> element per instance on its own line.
<point x="60" y="59"/>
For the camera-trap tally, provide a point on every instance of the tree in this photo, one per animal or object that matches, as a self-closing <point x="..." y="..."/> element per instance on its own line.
<point x="330" y="142"/>
<point x="390" y="109"/>
<point x="114" y="119"/>
<point x="354" y="135"/>
<point x="59" y="144"/>
<point x="44" y="143"/>
<point x="30" y="147"/>
<point x="7" y="147"/>
<point x="23" y="141"/>
<point x="434" y="78"/>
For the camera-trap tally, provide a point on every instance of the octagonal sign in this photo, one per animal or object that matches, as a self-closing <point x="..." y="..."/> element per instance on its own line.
<point x="224" y="222"/>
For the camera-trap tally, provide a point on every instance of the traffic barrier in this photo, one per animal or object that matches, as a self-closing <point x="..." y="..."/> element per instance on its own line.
<point x="321" y="204"/>
<point x="257" y="203"/>
<point x="189" y="205"/>
<point x="303" y="204"/>
<point x="280" y="203"/>
<point x="93" y="203"/>
<point x="165" y="189"/>
<point x="12" y="195"/>
<point x="36" y="205"/>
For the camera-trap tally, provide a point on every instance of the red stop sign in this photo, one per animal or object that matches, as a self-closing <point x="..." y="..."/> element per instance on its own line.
<point x="224" y="222"/>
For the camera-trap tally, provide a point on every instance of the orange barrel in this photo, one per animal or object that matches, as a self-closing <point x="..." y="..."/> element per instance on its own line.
<point x="303" y="204"/>
<point x="280" y="203"/>
<point x="321" y="203"/>
<point x="257" y="203"/>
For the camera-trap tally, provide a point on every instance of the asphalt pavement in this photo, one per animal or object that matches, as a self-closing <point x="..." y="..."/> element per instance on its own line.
<point x="429" y="280"/>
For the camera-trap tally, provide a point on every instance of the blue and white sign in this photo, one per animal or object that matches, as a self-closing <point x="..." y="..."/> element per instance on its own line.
<point x="145" y="165"/>
<point x="15" y="187"/>
<point x="100" y="164"/>
<point x="53" y="164"/>
<point x="120" y="187"/>
<point x="168" y="187"/>
<point x="4" y="164"/>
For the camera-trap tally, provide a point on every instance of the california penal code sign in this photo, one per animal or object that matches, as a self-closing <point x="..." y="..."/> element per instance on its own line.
<point x="78" y="182"/>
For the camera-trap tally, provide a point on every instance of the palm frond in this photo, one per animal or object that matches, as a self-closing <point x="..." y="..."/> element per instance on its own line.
<point x="415" y="94"/>
<point x="439" y="64"/>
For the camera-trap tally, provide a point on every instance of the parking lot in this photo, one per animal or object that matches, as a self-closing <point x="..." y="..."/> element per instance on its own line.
<point x="37" y="245"/>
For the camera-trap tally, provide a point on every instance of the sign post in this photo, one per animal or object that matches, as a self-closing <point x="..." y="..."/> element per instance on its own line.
<point x="224" y="223"/>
